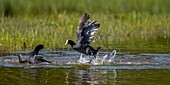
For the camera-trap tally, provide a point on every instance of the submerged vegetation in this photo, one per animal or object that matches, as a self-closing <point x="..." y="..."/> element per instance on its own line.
<point x="132" y="24"/>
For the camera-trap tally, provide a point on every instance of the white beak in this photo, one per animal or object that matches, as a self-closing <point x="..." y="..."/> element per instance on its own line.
<point x="66" y="42"/>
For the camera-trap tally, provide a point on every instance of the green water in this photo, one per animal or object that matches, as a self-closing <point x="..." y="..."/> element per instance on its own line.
<point x="42" y="76"/>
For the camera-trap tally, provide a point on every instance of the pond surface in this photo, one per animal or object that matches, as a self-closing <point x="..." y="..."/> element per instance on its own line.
<point x="70" y="67"/>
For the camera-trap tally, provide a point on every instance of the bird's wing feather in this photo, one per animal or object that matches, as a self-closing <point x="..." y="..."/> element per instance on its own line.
<point x="82" y="23"/>
<point x="89" y="31"/>
<point x="86" y="30"/>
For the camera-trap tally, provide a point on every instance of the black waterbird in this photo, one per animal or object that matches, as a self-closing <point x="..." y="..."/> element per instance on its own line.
<point x="33" y="56"/>
<point x="85" y="35"/>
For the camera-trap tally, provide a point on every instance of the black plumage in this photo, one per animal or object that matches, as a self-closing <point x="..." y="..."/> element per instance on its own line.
<point x="85" y="35"/>
<point x="33" y="56"/>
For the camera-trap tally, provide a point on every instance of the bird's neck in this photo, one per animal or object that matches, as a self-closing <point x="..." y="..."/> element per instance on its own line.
<point x="72" y="45"/>
<point x="35" y="52"/>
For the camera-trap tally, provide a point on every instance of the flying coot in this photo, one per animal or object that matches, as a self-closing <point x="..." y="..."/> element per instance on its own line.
<point x="85" y="35"/>
<point x="33" y="56"/>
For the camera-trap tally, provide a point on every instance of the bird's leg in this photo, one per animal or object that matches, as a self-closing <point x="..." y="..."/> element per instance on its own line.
<point x="81" y="55"/>
<point x="94" y="57"/>
<point x="91" y="60"/>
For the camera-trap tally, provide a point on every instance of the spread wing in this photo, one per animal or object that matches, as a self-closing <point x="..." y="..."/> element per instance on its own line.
<point x="81" y="26"/>
<point x="86" y="31"/>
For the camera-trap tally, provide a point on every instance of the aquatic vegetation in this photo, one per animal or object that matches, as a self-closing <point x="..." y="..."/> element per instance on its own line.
<point x="52" y="31"/>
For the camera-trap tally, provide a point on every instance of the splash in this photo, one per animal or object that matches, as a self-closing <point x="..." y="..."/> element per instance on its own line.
<point x="104" y="58"/>
<point x="83" y="59"/>
<point x="113" y="55"/>
<point x="98" y="60"/>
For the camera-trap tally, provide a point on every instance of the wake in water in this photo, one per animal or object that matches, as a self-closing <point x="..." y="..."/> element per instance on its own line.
<point x="98" y="60"/>
<point x="69" y="59"/>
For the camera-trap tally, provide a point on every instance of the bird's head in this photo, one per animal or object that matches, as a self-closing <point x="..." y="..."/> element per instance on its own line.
<point x="70" y="42"/>
<point x="39" y="47"/>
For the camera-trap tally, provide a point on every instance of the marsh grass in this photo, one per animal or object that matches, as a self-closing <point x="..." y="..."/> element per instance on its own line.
<point x="54" y="30"/>
<point x="133" y="24"/>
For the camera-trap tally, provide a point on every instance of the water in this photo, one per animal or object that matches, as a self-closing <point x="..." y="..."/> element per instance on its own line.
<point x="70" y="67"/>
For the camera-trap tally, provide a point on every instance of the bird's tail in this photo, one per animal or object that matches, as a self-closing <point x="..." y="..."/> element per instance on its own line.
<point x="97" y="49"/>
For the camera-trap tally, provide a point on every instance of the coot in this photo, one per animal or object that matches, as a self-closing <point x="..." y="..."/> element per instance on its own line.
<point x="85" y="35"/>
<point x="33" y="56"/>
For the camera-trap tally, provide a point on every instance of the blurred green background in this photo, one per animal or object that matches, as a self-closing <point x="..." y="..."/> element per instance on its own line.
<point x="125" y="24"/>
<point x="38" y="7"/>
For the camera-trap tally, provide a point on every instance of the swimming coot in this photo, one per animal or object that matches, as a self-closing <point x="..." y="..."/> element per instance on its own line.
<point x="33" y="57"/>
<point x="85" y="35"/>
